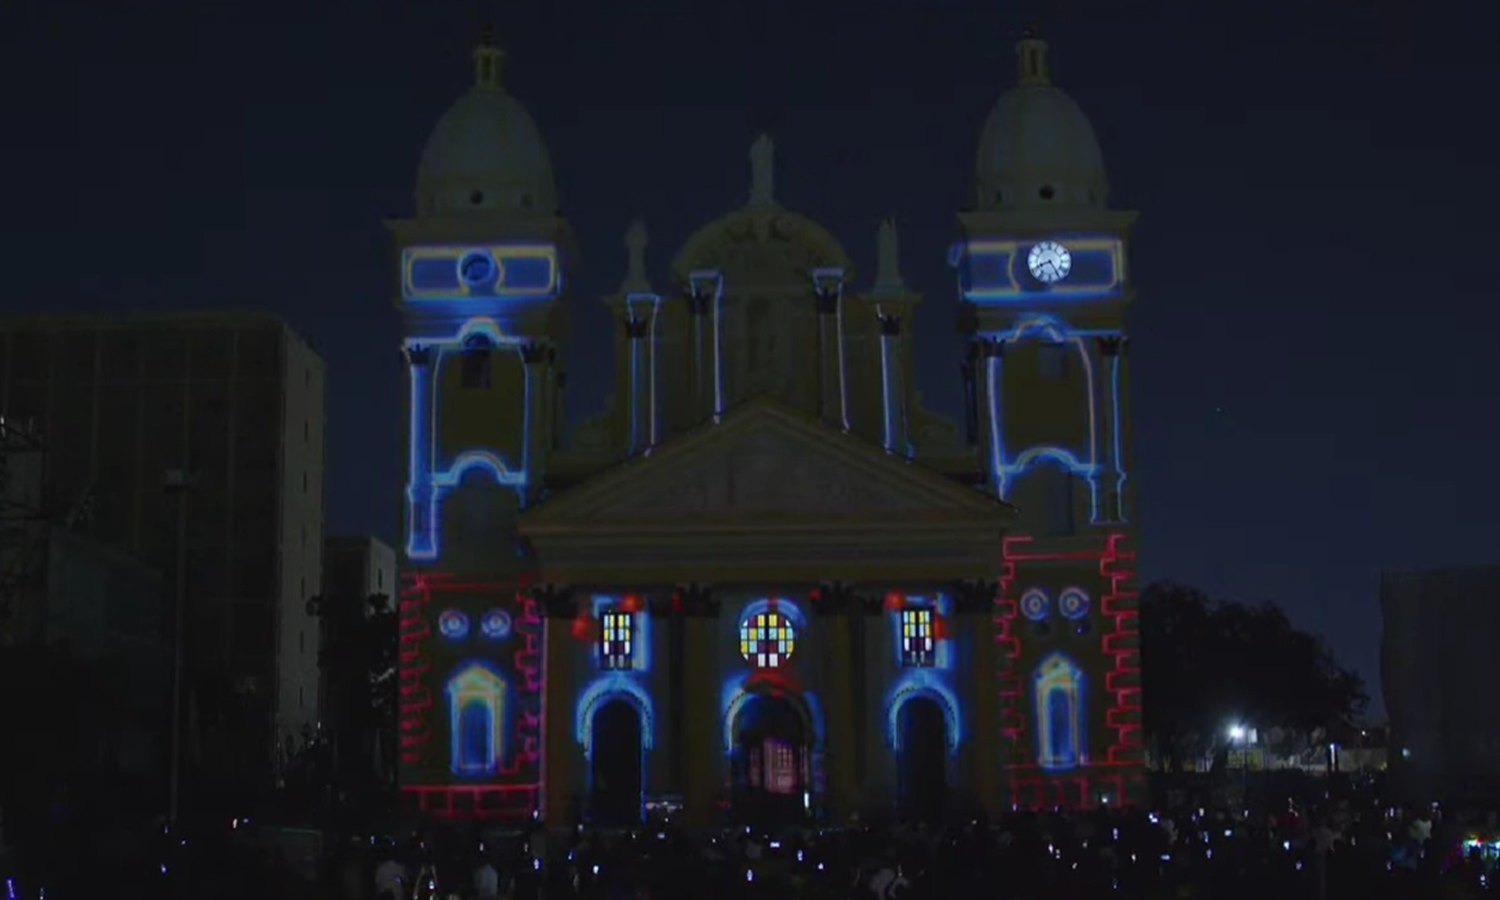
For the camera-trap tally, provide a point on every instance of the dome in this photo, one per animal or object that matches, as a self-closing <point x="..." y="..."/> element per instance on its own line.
<point x="1038" y="149"/>
<point x="486" y="155"/>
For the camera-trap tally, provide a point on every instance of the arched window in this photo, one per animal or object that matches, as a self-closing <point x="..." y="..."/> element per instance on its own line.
<point x="767" y="639"/>
<point x="1058" y="694"/>
<point x="476" y="714"/>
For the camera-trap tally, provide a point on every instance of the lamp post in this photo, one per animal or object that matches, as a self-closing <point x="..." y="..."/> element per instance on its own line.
<point x="178" y="483"/>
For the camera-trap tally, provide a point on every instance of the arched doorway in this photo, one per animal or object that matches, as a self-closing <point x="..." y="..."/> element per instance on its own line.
<point x="922" y="762"/>
<point x="772" y="761"/>
<point x="615" y="774"/>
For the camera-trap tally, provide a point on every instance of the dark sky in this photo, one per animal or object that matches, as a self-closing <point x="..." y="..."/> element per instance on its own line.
<point x="1315" y="325"/>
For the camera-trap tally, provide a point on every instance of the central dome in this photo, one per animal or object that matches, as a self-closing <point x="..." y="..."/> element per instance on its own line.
<point x="1038" y="148"/>
<point x="486" y="154"/>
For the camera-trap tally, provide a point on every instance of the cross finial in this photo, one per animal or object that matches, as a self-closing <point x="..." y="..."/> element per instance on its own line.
<point x="1031" y="55"/>
<point x="488" y="61"/>
<point x="763" y="171"/>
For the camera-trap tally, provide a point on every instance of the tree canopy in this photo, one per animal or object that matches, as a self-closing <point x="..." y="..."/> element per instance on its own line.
<point x="1207" y="664"/>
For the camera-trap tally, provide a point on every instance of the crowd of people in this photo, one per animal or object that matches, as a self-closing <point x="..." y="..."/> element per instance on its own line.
<point x="1354" y="848"/>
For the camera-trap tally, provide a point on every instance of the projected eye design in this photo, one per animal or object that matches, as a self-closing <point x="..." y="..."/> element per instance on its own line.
<point x="477" y="268"/>
<point x="1034" y="605"/>
<point x="453" y="625"/>
<point x="1049" y="262"/>
<point x="1073" y="603"/>
<point x="495" y="625"/>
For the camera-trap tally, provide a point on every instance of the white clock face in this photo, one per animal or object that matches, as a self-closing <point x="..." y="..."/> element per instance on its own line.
<point x="1049" y="262"/>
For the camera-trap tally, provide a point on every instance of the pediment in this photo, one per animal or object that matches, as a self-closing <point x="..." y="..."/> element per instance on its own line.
<point x="765" y="465"/>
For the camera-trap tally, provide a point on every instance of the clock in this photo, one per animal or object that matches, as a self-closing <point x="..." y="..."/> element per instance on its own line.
<point x="477" y="268"/>
<point x="1049" y="262"/>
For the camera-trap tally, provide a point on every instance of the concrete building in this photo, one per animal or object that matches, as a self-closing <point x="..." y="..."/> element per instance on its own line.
<point x="358" y="566"/>
<point x="236" y="399"/>
<point x="355" y="568"/>
<point x="1437" y="663"/>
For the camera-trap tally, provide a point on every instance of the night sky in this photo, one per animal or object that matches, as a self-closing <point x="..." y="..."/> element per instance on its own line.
<point x="1315" y="327"/>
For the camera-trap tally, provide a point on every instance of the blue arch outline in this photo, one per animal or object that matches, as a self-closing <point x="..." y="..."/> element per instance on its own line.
<point x="499" y="715"/>
<point x="735" y="696"/>
<point x="922" y="685"/>
<point x="614" y="686"/>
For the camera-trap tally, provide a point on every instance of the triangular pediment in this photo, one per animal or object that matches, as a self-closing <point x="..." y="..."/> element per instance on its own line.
<point x="765" y="465"/>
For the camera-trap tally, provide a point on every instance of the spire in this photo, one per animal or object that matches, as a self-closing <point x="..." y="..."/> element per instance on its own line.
<point x="888" y="281"/>
<point x="763" y="171"/>
<point x="1031" y="54"/>
<point x="635" y="281"/>
<point x="489" y="59"/>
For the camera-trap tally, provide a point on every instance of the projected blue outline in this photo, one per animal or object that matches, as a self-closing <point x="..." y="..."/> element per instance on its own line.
<point x="602" y="691"/>
<point x="716" y="278"/>
<point x="453" y="624"/>
<point x="1004" y="473"/>
<point x="495" y="701"/>
<point x="655" y="301"/>
<point x="465" y="296"/>
<point x="1079" y="605"/>
<point x="1058" y="672"/>
<point x="426" y="485"/>
<point x="837" y="274"/>
<point x="922" y="683"/>
<point x="960" y="252"/>
<point x="733" y="698"/>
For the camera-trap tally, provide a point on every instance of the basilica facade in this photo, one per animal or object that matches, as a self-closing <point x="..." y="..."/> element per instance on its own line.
<point x="766" y="582"/>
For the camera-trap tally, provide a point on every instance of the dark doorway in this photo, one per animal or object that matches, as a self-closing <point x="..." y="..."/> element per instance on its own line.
<point x="922" y="766"/>
<point x="772" y="762"/>
<point x="615" y="794"/>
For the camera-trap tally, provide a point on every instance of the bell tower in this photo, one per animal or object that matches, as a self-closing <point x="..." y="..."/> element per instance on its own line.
<point x="1043" y="286"/>
<point x="481" y="269"/>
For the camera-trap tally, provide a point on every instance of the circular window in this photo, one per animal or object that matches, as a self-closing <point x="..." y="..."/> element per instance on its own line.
<point x="1073" y="603"/>
<point x="453" y="625"/>
<point x="477" y="268"/>
<point x="476" y="198"/>
<point x="767" y="639"/>
<point x="1034" y="605"/>
<point x="495" y="625"/>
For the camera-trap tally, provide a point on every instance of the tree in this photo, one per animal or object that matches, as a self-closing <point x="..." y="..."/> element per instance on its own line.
<point x="358" y="657"/>
<point x="1206" y="664"/>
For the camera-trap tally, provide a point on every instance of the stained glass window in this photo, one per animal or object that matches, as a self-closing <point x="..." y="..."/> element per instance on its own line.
<point x="917" y="639"/>
<point x="616" y="639"/>
<point x="767" y="639"/>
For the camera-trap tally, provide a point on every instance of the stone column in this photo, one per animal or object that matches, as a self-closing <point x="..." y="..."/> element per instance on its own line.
<point x="893" y="372"/>
<point x="701" y="361"/>
<point x="988" y="356"/>
<point x="420" y="529"/>
<point x="830" y="358"/>
<point x="537" y="439"/>
<point x="639" y="431"/>
<point x="1105" y="387"/>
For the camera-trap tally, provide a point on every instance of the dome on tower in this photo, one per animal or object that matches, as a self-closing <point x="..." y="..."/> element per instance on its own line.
<point x="1038" y="148"/>
<point x="486" y="155"/>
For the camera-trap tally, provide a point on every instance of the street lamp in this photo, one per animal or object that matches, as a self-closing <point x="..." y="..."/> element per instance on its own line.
<point x="178" y="483"/>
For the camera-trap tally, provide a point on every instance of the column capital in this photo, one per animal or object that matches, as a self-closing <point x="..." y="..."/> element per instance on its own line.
<point x="828" y="300"/>
<point x="986" y="348"/>
<point x="890" y="325"/>
<point x="417" y="354"/>
<point x="635" y="327"/>
<point x="534" y="353"/>
<point x="694" y="601"/>
<point x="697" y="300"/>
<point x="968" y="318"/>
<point x="556" y="601"/>
<point x="1111" y="345"/>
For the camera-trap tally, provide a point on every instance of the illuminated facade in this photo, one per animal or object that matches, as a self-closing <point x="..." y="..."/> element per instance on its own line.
<point x="766" y="582"/>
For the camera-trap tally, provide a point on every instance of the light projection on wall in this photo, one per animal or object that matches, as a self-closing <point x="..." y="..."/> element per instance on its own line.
<point x="616" y="639"/>
<point x="1035" y="604"/>
<point x="495" y="625"/>
<point x="471" y="737"/>
<point x="932" y="680"/>
<point x="429" y="479"/>
<point x="453" y="625"/>
<point x="1058" y="692"/>
<point x="1086" y="463"/>
<point x="767" y="639"/>
<point x="999" y="271"/>
<point x="1073" y="603"/>
<point x="607" y="687"/>
<point x="918" y="637"/>
<point x="740" y="689"/>
<point x="433" y="274"/>
<point x="476" y="714"/>
<point x="710" y="283"/>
